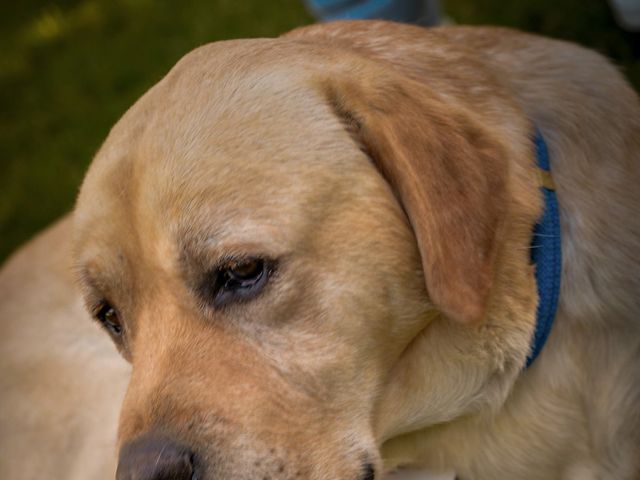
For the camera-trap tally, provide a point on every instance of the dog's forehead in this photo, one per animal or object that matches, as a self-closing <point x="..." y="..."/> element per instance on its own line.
<point x="234" y="131"/>
<point x="217" y="99"/>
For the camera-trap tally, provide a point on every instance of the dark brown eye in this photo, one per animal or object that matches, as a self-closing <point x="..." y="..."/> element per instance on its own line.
<point x="237" y="280"/>
<point x="108" y="317"/>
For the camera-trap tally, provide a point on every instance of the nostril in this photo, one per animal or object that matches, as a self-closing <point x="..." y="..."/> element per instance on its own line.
<point x="368" y="472"/>
<point x="154" y="458"/>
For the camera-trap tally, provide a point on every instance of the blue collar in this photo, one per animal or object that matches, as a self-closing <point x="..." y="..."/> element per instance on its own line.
<point x="546" y="253"/>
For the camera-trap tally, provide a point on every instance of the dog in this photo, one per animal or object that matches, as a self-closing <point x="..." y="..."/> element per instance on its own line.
<point x="315" y="254"/>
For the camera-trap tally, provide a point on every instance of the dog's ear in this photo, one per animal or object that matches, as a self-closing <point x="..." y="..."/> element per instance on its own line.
<point x="447" y="172"/>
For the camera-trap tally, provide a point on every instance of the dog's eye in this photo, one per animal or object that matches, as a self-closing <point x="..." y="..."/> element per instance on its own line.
<point x="108" y="317"/>
<point x="238" y="280"/>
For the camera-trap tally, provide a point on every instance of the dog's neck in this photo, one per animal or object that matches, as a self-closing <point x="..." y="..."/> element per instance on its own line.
<point x="546" y="252"/>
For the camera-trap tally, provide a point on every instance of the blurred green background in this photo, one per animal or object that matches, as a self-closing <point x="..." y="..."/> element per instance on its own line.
<point x="70" y="68"/>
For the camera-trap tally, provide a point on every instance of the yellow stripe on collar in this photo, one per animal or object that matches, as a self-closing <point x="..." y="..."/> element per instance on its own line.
<point x="545" y="179"/>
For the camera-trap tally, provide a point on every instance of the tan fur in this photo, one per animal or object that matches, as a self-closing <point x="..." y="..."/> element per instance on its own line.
<point x="62" y="383"/>
<point x="390" y="171"/>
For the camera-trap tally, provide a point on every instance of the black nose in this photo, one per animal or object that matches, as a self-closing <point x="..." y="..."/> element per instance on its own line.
<point x="152" y="457"/>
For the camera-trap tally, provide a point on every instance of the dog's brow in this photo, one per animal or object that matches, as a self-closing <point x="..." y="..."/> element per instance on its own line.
<point x="90" y="283"/>
<point x="83" y="277"/>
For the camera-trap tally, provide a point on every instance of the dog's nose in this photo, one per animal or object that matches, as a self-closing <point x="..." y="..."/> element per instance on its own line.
<point x="153" y="457"/>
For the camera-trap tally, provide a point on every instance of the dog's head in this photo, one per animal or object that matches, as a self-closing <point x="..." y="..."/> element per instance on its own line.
<point x="265" y="235"/>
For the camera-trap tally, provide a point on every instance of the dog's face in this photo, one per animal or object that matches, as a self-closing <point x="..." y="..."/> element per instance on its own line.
<point x="246" y="241"/>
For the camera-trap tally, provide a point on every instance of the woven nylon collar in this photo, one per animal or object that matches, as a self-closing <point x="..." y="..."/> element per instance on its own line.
<point x="546" y="253"/>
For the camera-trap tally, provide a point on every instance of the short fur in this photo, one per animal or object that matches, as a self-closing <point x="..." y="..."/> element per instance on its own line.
<point x="390" y="171"/>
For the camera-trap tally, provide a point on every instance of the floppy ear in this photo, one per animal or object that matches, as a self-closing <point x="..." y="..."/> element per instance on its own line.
<point x="448" y="173"/>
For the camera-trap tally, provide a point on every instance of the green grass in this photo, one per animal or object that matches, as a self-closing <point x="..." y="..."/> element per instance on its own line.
<point x="70" y="68"/>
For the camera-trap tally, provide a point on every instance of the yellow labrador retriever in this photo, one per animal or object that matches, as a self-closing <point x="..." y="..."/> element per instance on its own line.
<point x="315" y="252"/>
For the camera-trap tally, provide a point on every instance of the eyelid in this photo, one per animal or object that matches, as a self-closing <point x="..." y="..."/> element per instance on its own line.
<point x="217" y="249"/>
<point x="93" y="302"/>
<point x="94" y="308"/>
